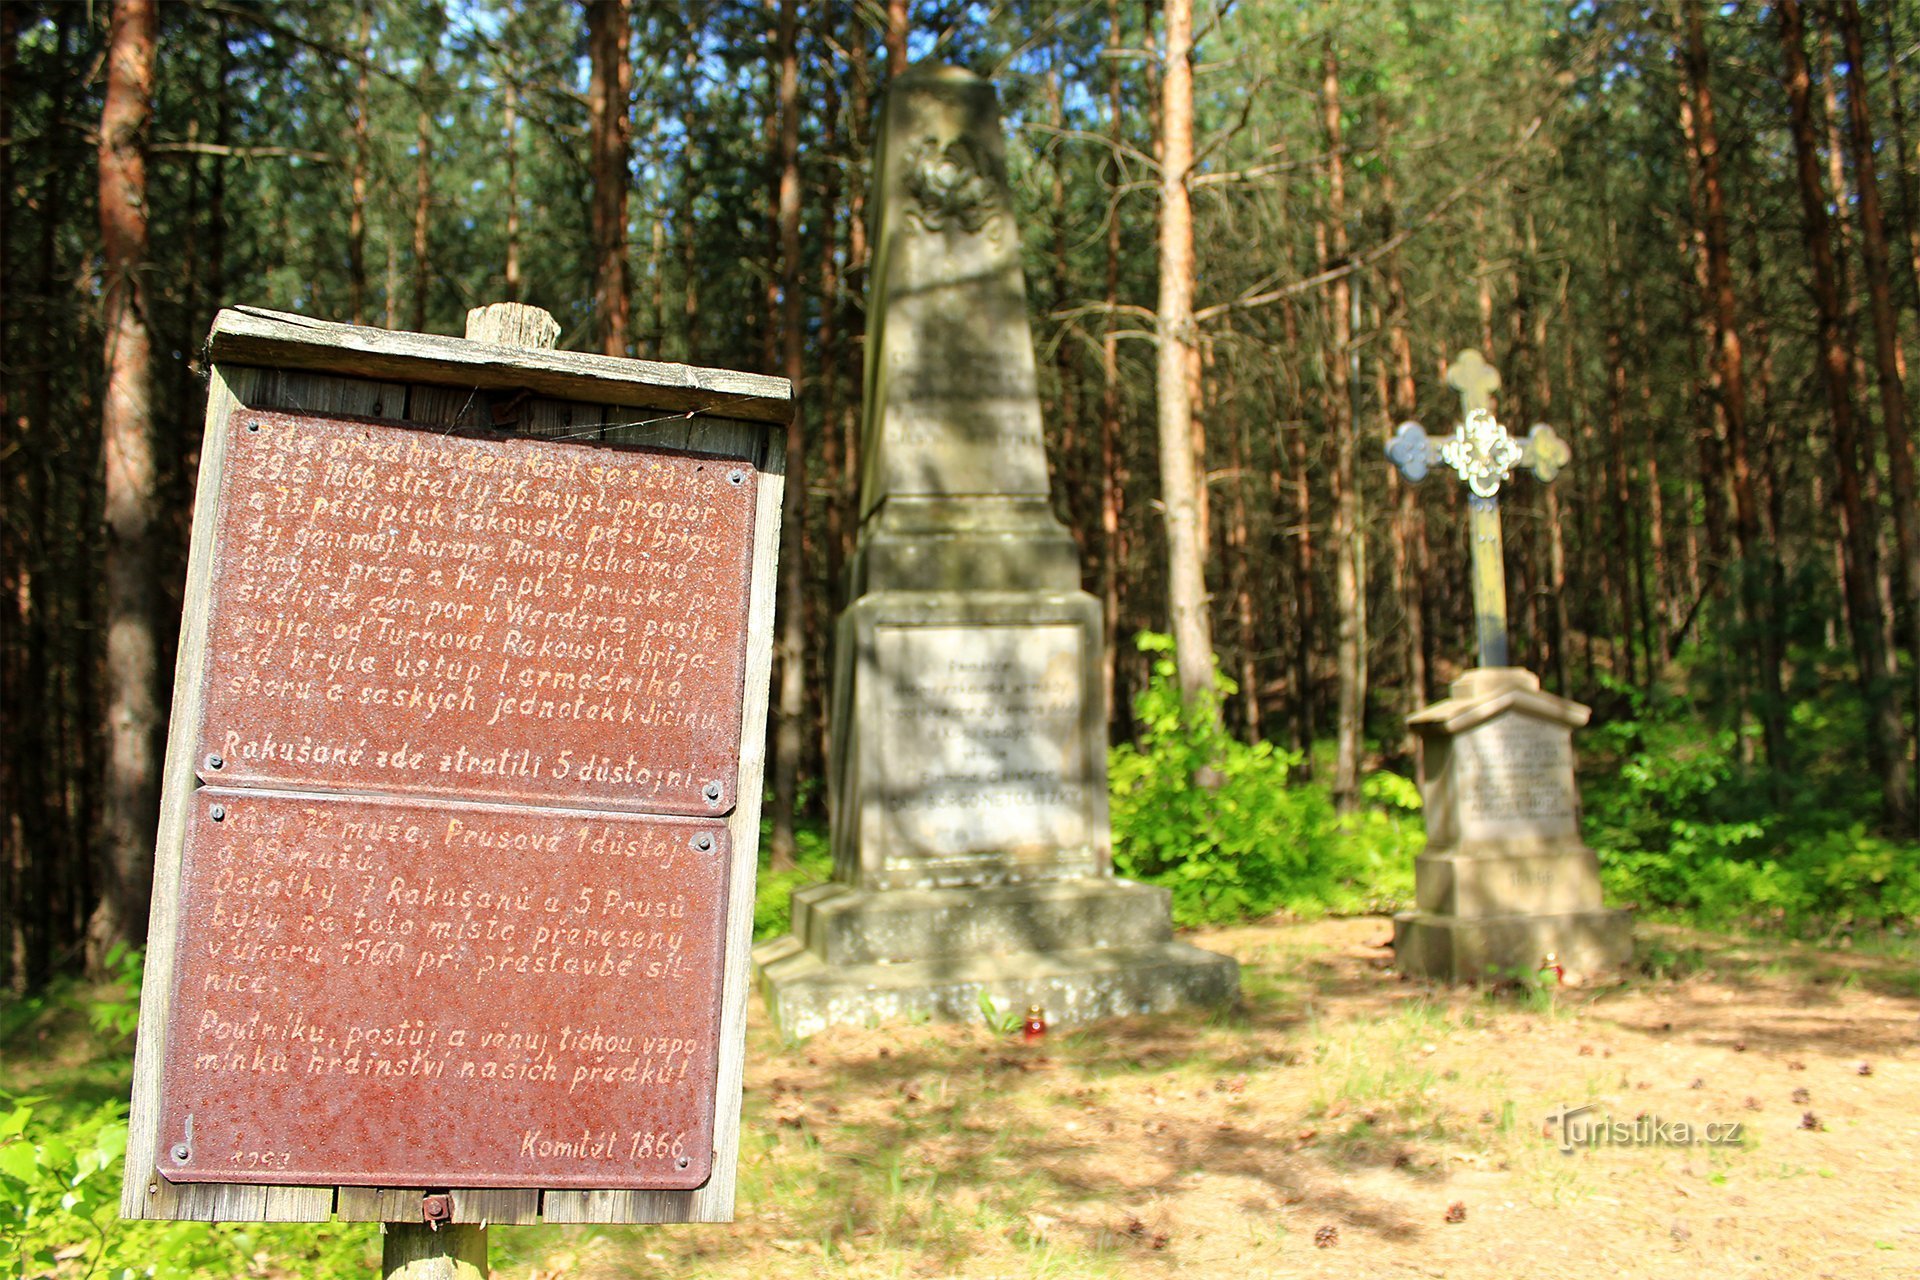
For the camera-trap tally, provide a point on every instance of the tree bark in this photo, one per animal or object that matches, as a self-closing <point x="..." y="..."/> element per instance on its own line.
<point x="1886" y="332"/>
<point x="1187" y="606"/>
<point x="1836" y="367"/>
<point x="357" y="179"/>
<point x="1347" y="546"/>
<point x="1730" y="370"/>
<point x="1305" y="592"/>
<point x="896" y="37"/>
<point x="609" y="96"/>
<point x="1112" y="493"/>
<point x="790" y="730"/>
<point x="1904" y="181"/>
<point x="133" y="719"/>
<point x="1400" y="405"/>
<point x="510" y="102"/>
<point x="427" y="91"/>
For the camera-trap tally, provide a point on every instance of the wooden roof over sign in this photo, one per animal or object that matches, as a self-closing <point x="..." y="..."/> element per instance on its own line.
<point x="283" y="340"/>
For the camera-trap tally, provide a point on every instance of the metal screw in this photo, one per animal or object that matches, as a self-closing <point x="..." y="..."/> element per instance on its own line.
<point x="182" y="1152"/>
<point x="216" y="762"/>
<point x="703" y="842"/>
<point x="153" y="1187"/>
<point x="253" y="426"/>
<point x="682" y="1162"/>
<point x="736" y="476"/>
<point x="436" y="1208"/>
<point x="218" y="812"/>
<point x="712" y="792"/>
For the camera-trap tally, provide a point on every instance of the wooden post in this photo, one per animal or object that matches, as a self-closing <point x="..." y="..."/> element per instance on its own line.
<point x="415" y="1251"/>
<point x="512" y="324"/>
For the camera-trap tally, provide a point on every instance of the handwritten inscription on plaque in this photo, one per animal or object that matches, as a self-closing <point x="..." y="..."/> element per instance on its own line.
<point x="519" y="619"/>
<point x="1516" y="771"/>
<point x="981" y="741"/>
<point x="530" y="997"/>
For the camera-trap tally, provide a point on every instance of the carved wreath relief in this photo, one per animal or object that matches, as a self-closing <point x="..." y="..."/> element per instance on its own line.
<point x="951" y="186"/>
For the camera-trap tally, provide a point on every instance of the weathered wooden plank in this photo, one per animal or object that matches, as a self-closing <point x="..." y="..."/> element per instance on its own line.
<point x="714" y="1202"/>
<point x="378" y="1204"/>
<point x="508" y="1207"/>
<point x="276" y="339"/>
<point x="144" y="1193"/>
<point x="563" y="420"/>
<point x="327" y="393"/>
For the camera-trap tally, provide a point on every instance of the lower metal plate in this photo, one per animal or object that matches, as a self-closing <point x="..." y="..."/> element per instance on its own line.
<point x="421" y="993"/>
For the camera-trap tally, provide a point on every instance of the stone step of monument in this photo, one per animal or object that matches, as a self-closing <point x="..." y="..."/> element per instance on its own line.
<point x="1495" y="948"/>
<point x="848" y="926"/>
<point x="1479" y="882"/>
<point x="1072" y="988"/>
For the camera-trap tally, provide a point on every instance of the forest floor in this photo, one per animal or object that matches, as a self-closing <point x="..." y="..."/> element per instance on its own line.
<point x="1337" y="1125"/>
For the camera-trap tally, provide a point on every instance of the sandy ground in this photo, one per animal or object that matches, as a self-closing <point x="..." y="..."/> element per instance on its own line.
<point x="1342" y="1123"/>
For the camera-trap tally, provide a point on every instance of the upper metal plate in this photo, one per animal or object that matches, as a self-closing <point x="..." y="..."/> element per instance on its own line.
<point x="395" y="609"/>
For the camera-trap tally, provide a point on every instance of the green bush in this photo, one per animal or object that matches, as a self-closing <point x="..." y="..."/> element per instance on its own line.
<point x="1684" y="825"/>
<point x="773" y="891"/>
<point x="1254" y="843"/>
<point x="62" y="1159"/>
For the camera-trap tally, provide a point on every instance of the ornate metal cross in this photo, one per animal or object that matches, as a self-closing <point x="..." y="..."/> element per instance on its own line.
<point x="1484" y="455"/>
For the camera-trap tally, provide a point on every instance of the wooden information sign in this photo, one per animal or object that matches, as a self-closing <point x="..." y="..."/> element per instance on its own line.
<point x="453" y="889"/>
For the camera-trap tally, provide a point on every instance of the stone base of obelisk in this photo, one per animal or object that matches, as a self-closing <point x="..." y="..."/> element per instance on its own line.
<point x="1506" y="881"/>
<point x="1496" y="948"/>
<point x="1081" y="950"/>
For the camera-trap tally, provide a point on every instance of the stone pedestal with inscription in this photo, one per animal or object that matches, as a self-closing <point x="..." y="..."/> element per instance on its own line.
<point x="968" y="774"/>
<point x="1506" y="879"/>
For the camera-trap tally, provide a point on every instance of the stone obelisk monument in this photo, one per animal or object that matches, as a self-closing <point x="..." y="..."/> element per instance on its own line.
<point x="968" y="771"/>
<point x="1505" y="882"/>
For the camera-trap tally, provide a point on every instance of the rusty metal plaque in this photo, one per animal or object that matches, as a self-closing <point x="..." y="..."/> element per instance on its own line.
<point x="398" y="609"/>
<point x="406" y="992"/>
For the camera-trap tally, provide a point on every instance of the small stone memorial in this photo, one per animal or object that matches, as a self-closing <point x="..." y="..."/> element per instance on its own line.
<point x="1506" y="881"/>
<point x="971" y="848"/>
<point x="453" y="885"/>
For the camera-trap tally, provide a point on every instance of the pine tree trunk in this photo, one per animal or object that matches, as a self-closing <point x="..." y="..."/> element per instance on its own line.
<point x="789" y="738"/>
<point x="608" y="97"/>
<point x="511" y="106"/>
<point x="357" y="180"/>
<point x="1886" y="333"/>
<point x="896" y="37"/>
<point x="1730" y="370"/>
<point x="1111" y="492"/>
<point x="133" y="719"/>
<point x="1187" y="605"/>
<point x="1708" y="439"/>
<point x="1400" y="404"/>
<point x="1305" y="592"/>
<point x="1836" y="366"/>
<point x="16" y="579"/>
<point x="1347" y="546"/>
<point x="422" y="201"/>
<point x="1904" y="181"/>
<point x="690" y="126"/>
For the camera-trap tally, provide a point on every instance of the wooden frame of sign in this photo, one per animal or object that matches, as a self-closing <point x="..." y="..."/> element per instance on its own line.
<point x="268" y="365"/>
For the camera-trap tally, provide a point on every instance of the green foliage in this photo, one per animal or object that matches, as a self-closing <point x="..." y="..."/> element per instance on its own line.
<point x="1685" y="822"/>
<point x="1255" y="843"/>
<point x="116" y="1012"/>
<point x="1002" y="1022"/>
<point x="62" y="1156"/>
<point x="773" y="894"/>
